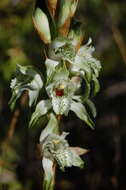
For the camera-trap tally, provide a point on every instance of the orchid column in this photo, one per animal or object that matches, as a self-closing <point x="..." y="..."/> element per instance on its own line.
<point x="71" y="81"/>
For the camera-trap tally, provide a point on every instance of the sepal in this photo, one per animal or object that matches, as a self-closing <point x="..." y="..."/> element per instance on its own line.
<point x="41" y="109"/>
<point x="50" y="69"/>
<point x="91" y="106"/>
<point x="80" y="110"/>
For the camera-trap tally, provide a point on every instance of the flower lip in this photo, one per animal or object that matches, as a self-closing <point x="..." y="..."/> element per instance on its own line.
<point x="59" y="89"/>
<point x="59" y="92"/>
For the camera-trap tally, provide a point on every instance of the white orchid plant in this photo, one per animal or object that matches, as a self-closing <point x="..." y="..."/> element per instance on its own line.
<point x="71" y="80"/>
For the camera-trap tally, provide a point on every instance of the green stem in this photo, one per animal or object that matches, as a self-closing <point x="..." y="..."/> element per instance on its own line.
<point x="49" y="181"/>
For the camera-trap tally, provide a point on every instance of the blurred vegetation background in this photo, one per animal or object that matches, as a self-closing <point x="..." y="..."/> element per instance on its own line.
<point x="20" y="162"/>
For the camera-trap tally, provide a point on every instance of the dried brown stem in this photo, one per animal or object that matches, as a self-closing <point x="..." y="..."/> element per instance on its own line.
<point x="117" y="34"/>
<point x="119" y="41"/>
<point x="16" y="115"/>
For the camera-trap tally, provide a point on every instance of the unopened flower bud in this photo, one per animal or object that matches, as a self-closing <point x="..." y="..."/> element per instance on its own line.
<point x="67" y="10"/>
<point x="41" y="24"/>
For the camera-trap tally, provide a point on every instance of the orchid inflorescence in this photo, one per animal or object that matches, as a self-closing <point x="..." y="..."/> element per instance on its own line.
<point x="71" y="80"/>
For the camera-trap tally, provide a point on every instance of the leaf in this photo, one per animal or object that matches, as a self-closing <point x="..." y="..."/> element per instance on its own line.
<point x="81" y="112"/>
<point x="52" y="127"/>
<point x="41" y="24"/>
<point x="92" y="107"/>
<point x="50" y="66"/>
<point x="41" y="109"/>
<point x="26" y="79"/>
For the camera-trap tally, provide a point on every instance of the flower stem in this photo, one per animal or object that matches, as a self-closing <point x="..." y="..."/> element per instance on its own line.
<point x="49" y="181"/>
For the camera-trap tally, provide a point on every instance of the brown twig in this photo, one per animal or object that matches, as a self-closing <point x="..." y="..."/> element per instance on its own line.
<point x="119" y="41"/>
<point x="16" y="115"/>
<point x="117" y="34"/>
<point x="13" y="123"/>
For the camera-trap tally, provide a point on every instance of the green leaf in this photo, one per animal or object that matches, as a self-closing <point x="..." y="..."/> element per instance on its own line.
<point x="50" y="66"/>
<point x="26" y="79"/>
<point x="52" y="127"/>
<point x="41" y="109"/>
<point x="81" y="112"/>
<point x="41" y="24"/>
